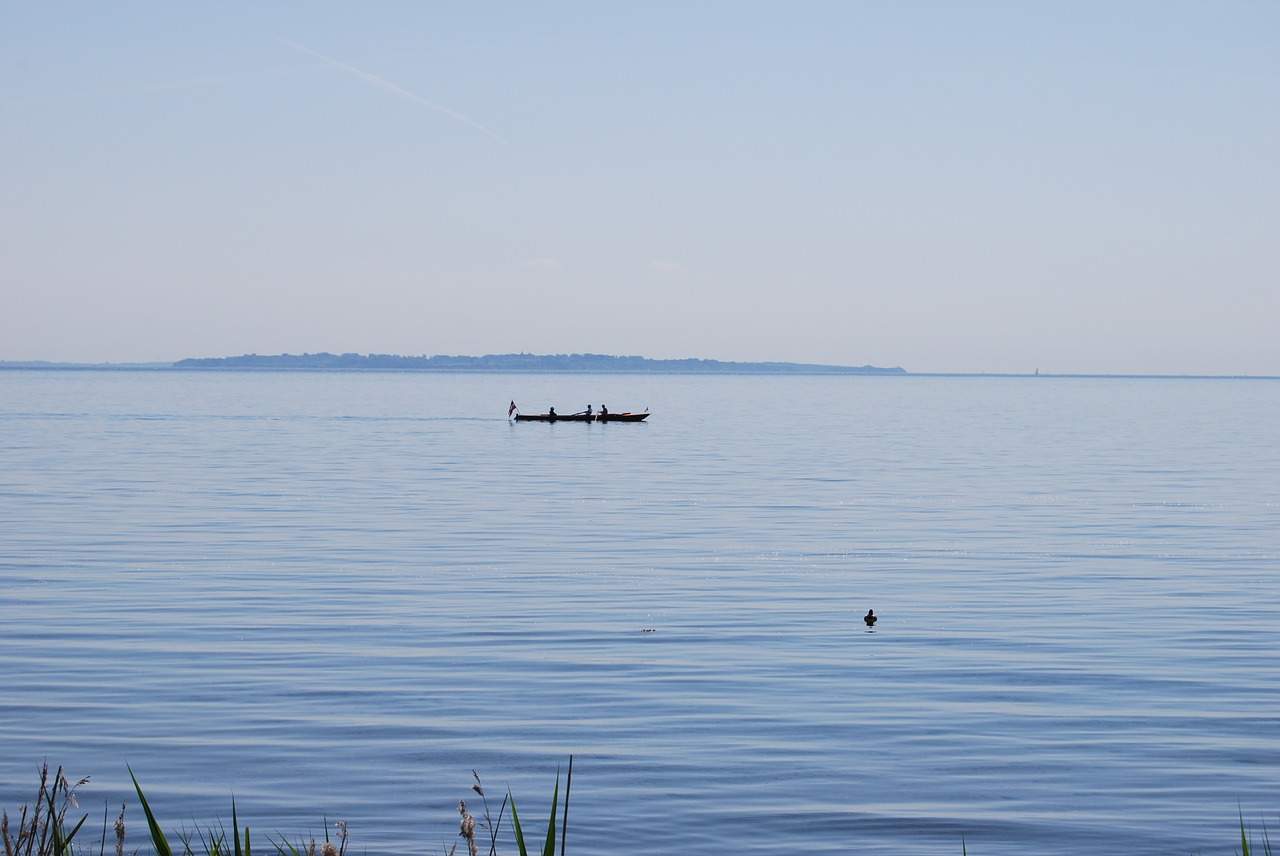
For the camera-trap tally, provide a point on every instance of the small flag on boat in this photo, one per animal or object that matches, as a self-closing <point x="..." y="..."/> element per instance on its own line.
<point x="511" y="409"/>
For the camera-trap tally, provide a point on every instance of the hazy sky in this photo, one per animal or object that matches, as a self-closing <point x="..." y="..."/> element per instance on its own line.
<point x="942" y="186"/>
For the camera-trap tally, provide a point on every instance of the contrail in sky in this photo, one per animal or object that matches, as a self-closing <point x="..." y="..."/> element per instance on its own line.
<point x="392" y="88"/>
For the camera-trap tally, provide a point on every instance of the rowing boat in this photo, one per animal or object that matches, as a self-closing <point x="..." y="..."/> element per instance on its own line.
<point x="581" y="417"/>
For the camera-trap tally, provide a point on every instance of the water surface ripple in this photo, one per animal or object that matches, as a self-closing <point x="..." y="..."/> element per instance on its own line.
<point x="335" y="595"/>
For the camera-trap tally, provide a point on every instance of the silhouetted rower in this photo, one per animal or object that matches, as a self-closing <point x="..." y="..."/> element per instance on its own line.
<point x="870" y="618"/>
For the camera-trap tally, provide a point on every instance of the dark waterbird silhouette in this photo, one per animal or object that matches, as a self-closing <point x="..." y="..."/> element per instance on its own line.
<point x="870" y="618"/>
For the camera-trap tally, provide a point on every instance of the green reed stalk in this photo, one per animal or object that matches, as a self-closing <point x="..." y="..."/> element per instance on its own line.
<point x="1245" y="849"/>
<point x="158" y="840"/>
<point x="549" y="845"/>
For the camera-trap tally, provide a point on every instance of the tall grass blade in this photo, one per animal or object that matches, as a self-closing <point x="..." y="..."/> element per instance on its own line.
<point x="515" y="824"/>
<point x="61" y="838"/>
<point x="74" y="830"/>
<point x="564" y="822"/>
<point x="235" y="831"/>
<point x="549" y="848"/>
<point x="158" y="841"/>
<point x="106" y="816"/>
<point x="493" y="833"/>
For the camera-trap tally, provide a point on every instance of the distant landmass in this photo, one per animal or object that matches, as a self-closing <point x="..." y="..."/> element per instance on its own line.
<point x="568" y="363"/>
<point x="515" y="363"/>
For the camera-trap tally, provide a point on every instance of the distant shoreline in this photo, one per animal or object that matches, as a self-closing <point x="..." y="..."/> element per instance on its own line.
<point x="492" y="363"/>
<point x="551" y="364"/>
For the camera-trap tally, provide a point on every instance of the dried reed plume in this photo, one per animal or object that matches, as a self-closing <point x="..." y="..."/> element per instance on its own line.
<point x="42" y="830"/>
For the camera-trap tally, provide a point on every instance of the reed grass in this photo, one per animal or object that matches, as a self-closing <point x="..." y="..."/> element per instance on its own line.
<point x="468" y="825"/>
<point x="1246" y="848"/>
<point x="213" y="842"/>
<point x="549" y="845"/>
<point x="42" y="827"/>
<point x="43" y="830"/>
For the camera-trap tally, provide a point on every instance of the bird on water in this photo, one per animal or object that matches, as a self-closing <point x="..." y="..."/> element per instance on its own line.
<point x="870" y="617"/>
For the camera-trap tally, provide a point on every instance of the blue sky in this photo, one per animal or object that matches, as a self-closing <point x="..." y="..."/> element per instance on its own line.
<point x="944" y="186"/>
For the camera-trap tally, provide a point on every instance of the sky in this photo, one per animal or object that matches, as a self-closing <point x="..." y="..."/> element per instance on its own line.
<point x="1074" y="187"/>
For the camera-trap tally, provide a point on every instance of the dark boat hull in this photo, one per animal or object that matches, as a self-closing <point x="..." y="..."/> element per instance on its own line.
<point x="581" y="417"/>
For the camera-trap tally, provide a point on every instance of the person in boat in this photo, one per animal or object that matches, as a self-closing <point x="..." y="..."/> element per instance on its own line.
<point x="870" y="618"/>
<point x="552" y="413"/>
<point x="604" y="412"/>
<point x="588" y="411"/>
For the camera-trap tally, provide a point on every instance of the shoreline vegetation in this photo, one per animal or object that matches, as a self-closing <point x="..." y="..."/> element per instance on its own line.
<point x="42" y="828"/>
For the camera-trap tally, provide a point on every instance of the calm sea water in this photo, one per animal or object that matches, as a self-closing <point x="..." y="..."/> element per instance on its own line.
<point x="335" y="595"/>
